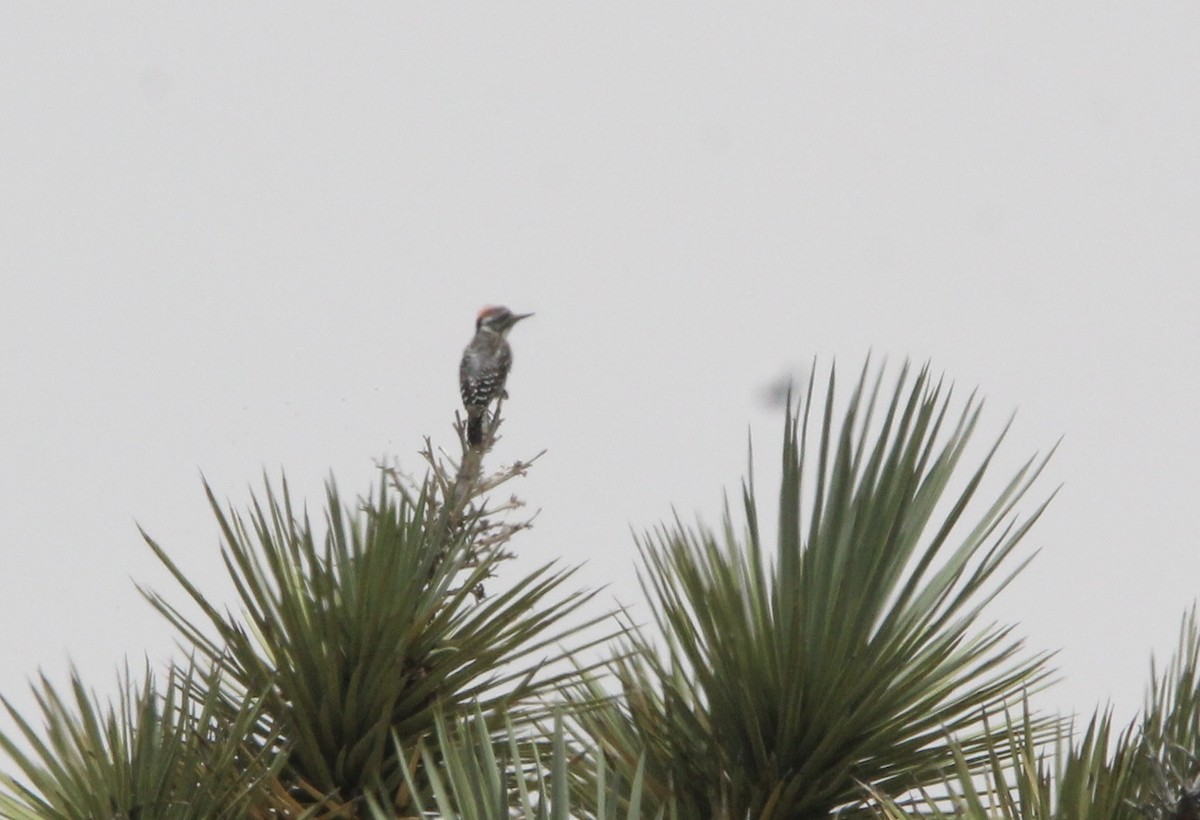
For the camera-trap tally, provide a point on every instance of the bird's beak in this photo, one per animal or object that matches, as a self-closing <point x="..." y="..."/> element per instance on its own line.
<point x="519" y="316"/>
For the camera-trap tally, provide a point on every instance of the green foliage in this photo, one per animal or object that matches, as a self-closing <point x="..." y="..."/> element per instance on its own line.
<point x="1147" y="770"/>
<point x="1171" y="730"/>
<point x="371" y="627"/>
<point x="1093" y="776"/>
<point x="844" y="671"/>
<point x="472" y="780"/>
<point x="176" y="756"/>
<point x="853" y="654"/>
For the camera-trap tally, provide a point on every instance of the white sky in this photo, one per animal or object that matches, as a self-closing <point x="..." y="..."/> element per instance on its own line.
<point x="252" y="237"/>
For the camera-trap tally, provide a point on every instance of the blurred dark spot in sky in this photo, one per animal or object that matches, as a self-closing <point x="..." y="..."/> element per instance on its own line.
<point x="774" y="394"/>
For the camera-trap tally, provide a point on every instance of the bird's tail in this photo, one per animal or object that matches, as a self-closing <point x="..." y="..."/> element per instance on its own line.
<point x="475" y="430"/>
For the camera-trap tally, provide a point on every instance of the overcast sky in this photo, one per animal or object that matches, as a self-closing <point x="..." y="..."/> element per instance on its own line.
<point x="255" y="237"/>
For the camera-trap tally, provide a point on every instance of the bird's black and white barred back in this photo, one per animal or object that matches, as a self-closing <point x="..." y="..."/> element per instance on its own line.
<point x="483" y="372"/>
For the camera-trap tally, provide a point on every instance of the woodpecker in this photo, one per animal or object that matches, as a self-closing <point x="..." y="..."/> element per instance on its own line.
<point x="485" y="365"/>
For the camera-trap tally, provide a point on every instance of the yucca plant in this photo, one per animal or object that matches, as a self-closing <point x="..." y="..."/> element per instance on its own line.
<point x="527" y="777"/>
<point x="174" y="755"/>
<point x="1094" y="776"/>
<point x="366" y="629"/>
<point x="781" y="683"/>
<point x="1149" y="769"/>
<point x="1171" y="731"/>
